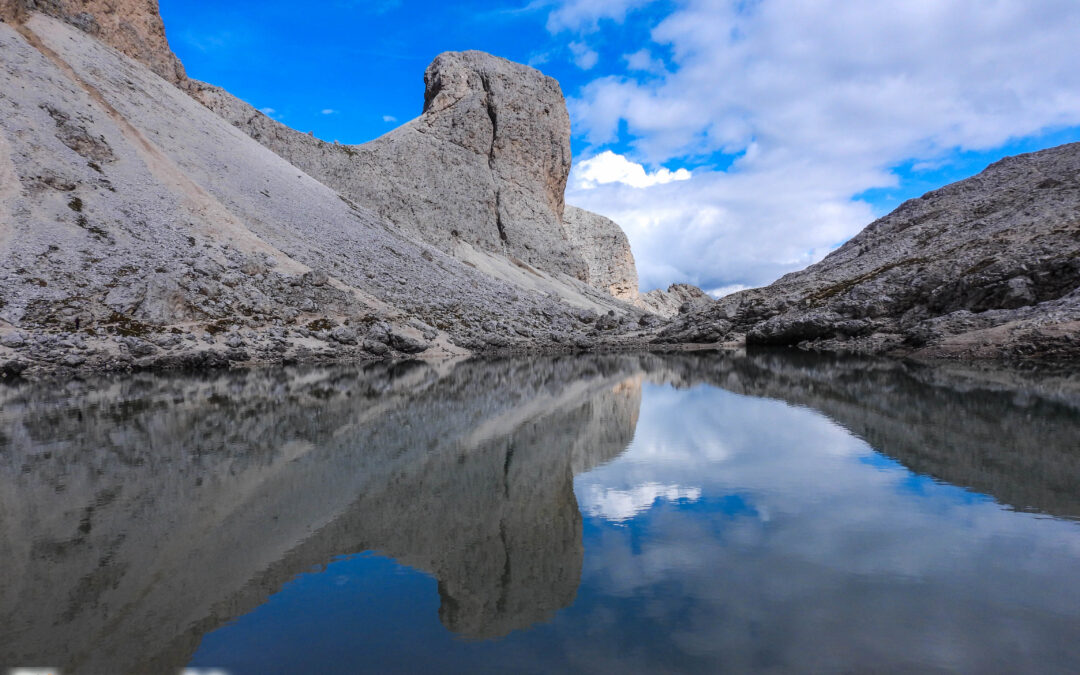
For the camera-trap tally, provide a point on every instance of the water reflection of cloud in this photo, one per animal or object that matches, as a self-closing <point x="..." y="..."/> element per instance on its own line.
<point x="840" y="563"/>
<point x="618" y="505"/>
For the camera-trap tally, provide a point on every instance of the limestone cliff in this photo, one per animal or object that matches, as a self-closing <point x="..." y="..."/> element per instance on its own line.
<point x="484" y="166"/>
<point x="138" y="228"/>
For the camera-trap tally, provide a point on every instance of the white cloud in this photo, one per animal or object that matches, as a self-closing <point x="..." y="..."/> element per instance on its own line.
<point x="217" y="41"/>
<point x="608" y="167"/>
<point x="643" y="60"/>
<point x="727" y="290"/>
<point x="728" y="228"/>
<point x="329" y="111"/>
<point x="584" y="57"/>
<point x="537" y="59"/>
<point x="586" y="14"/>
<point x="389" y="118"/>
<point x="816" y="102"/>
<point x="267" y="111"/>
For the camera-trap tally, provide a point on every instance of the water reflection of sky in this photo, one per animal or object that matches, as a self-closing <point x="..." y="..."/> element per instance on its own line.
<point x="734" y="534"/>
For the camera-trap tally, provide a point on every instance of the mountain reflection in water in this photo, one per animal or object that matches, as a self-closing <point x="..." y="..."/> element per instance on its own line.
<point x="776" y="511"/>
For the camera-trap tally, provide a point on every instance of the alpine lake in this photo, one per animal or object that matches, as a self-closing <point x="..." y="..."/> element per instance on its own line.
<point x="775" y="511"/>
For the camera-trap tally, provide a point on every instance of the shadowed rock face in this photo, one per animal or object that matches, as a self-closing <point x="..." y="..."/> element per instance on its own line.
<point x="138" y="514"/>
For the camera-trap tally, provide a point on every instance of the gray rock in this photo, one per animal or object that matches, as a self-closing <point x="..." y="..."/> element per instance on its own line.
<point x="13" y="341"/>
<point x="379" y="333"/>
<point x="140" y="348"/>
<point x="13" y="369"/>
<point x="344" y="335"/>
<point x="485" y="165"/>
<point x="375" y="347"/>
<point x="237" y="355"/>
<point x="316" y="278"/>
<point x="407" y="344"/>
<point x="609" y="262"/>
<point x="677" y="299"/>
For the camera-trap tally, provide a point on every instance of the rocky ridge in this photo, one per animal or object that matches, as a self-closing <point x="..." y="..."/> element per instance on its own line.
<point x="987" y="267"/>
<point x="676" y="299"/>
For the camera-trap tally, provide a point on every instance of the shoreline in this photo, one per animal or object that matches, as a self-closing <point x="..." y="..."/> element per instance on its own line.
<point x="72" y="363"/>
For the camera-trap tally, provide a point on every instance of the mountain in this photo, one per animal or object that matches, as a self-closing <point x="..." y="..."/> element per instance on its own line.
<point x="148" y="220"/>
<point x="984" y="268"/>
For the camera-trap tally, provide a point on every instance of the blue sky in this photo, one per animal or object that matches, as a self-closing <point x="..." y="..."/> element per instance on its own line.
<point x="734" y="140"/>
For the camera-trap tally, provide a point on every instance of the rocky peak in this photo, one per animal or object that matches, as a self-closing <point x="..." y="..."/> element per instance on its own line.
<point x="520" y="108"/>
<point x="133" y="27"/>
<point x="515" y="118"/>
<point x="484" y="166"/>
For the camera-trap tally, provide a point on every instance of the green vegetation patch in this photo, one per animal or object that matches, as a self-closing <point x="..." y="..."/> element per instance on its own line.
<point x="122" y="324"/>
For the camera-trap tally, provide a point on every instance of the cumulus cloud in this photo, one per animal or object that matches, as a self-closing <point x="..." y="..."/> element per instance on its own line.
<point x="799" y="107"/>
<point x="586" y="14"/>
<point x="608" y="167"/>
<point x="584" y="57"/>
<point x="725" y="228"/>
<point x="643" y="60"/>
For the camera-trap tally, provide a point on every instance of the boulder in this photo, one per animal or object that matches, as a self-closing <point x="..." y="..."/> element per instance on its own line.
<point x="407" y="344"/>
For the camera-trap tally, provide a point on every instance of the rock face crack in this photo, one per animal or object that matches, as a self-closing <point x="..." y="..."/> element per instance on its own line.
<point x="489" y="105"/>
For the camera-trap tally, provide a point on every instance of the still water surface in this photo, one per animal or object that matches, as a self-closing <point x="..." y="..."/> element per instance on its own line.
<point x="771" y="513"/>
